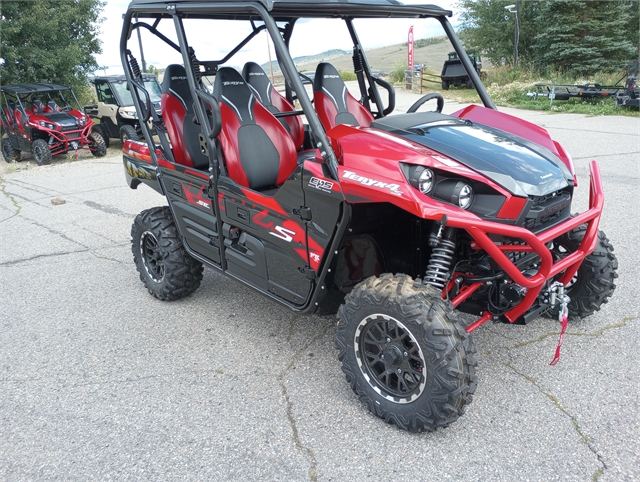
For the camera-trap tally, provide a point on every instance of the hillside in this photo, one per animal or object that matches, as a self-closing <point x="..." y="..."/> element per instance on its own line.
<point x="385" y="58"/>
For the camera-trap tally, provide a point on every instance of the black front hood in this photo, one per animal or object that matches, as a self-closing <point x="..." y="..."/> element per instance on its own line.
<point x="63" y="119"/>
<point x="520" y="166"/>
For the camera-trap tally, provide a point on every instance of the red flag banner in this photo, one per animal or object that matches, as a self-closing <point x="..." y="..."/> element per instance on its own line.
<point x="410" y="44"/>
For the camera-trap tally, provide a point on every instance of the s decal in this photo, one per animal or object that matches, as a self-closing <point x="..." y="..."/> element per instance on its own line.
<point x="283" y="233"/>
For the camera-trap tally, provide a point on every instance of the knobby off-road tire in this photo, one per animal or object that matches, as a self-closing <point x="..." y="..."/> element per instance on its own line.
<point x="165" y="267"/>
<point x="8" y="152"/>
<point x="127" y="132"/>
<point x="594" y="282"/>
<point x="97" y="146"/>
<point x="405" y="353"/>
<point x="41" y="152"/>
<point x="98" y="128"/>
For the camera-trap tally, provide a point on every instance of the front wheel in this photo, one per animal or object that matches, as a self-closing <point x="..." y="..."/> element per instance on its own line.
<point x="100" y="130"/>
<point x="97" y="144"/>
<point x="165" y="267"/>
<point x="128" y="133"/>
<point x="405" y="353"/>
<point x="41" y="152"/>
<point x="594" y="282"/>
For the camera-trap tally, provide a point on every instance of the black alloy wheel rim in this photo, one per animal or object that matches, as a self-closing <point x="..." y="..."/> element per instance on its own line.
<point x="152" y="257"/>
<point x="390" y="358"/>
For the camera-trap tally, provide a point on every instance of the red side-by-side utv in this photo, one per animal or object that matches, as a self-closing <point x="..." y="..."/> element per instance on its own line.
<point x="325" y="201"/>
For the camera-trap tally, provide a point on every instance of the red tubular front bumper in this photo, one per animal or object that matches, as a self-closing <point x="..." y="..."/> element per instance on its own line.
<point x="481" y="230"/>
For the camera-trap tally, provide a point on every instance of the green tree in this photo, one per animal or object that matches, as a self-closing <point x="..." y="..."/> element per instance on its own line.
<point x="49" y="41"/>
<point x="488" y="28"/>
<point x="575" y="36"/>
<point x="595" y="39"/>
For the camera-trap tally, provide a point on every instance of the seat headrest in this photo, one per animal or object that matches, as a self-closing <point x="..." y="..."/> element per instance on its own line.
<point x="175" y="83"/>
<point x="257" y="78"/>
<point x="231" y="89"/>
<point x="328" y="77"/>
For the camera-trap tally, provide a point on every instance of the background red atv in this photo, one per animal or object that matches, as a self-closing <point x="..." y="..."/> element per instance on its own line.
<point x="399" y="223"/>
<point x="38" y="118"/>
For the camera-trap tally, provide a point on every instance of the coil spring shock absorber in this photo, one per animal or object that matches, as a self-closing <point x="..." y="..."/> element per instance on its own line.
<point x="133" y="63"/>
<point x="443" y="245"/>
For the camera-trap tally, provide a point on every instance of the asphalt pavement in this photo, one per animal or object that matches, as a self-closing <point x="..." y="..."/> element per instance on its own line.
<point x="100" y="381"/>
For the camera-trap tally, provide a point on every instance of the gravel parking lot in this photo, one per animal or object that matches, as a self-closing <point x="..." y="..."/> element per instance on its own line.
<point x="100" y="381"/>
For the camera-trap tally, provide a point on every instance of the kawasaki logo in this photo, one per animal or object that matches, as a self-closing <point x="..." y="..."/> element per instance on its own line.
<point x="393" y="188"/>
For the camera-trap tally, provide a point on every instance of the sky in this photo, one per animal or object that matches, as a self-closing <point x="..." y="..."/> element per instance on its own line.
<point x="207" y="39"/>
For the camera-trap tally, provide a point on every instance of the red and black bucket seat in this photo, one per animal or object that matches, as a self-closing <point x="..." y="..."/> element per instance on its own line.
<point x="273" y="100"/>
<point x="179" y="118"/>
<point x="258" y="151"/>
<point x="334" y="104"/>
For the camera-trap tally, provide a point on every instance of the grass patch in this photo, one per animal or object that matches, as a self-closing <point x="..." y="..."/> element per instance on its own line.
<point x="508" y="88"/>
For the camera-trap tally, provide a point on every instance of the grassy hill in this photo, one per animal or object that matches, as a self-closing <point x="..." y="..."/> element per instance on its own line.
<point x="386" y="58"/>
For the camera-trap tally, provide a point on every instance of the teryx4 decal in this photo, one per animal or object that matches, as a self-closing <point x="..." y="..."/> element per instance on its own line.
<point x="365" y="181"/>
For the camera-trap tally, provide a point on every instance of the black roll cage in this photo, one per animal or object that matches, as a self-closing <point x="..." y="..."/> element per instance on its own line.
<point x="284" y="12"/>
<point x="15" y="93"/>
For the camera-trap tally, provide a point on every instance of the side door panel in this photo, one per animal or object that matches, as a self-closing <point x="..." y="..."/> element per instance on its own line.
<point x="265" y="241"/>
<point x="193" y="211"/>
<point x="323" y="197"/>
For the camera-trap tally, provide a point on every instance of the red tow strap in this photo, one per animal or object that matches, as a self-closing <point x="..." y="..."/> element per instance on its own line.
<point x="563" y="324"/>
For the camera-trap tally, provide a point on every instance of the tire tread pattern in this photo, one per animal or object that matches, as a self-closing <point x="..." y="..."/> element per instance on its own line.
<point x="183" y="273"/>
<point x="447" y="347"/>
<point x="596" y="275"/>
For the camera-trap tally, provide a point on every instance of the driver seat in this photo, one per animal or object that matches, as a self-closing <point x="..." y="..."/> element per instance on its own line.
<point x="37" y="106"/>
<point x="334" y="104"/>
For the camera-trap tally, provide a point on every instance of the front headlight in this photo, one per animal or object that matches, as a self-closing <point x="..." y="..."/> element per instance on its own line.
<point x="465" y="196"/>
<point x="422" y="178"/>
<point x="48" y="125"/>
<point x="456" y="192"/>
<point x="130" y="113"/>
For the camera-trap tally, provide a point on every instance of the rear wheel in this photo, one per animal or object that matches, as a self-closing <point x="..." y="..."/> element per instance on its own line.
<point x="127" y="133"/>
<point x="165" y="267"/>
<point x="594" y="282"/>
<point x="8" y="152"/>
<point x="405" y="353"/>
<point x="41" y="152"/>
<point x="97" y="145"/>
<point x="445" y="85"/>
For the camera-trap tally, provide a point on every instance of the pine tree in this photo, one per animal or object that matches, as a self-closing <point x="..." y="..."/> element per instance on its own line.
<point x="575" y="36"/>
<point x="585" y="37"/>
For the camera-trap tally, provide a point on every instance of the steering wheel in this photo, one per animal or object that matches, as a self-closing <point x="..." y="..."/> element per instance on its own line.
<point x="428" y="97"/>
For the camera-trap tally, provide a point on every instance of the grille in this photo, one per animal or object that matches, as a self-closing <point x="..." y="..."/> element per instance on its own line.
<point x="547" y="210"/>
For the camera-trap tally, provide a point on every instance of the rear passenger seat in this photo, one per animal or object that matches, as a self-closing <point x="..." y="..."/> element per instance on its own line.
<point x="273" y="101"/>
